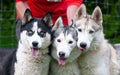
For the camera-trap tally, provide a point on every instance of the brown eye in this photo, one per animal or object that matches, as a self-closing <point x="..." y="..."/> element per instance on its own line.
<point x="70" y="42"/>
<point x="58" y="40"/>
<point x="80" y="30"/>
<point x="91" y="31"/>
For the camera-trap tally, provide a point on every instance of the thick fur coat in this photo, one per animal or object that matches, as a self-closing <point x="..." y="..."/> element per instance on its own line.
<point x="32" y="54"/>
<point x="98" y="56"/>
<point x="64" y="50"/>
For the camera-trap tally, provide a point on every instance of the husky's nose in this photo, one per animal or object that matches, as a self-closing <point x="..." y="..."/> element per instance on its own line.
<point x="35" y="43"/>
<point x="83" y="45"/>
<point x="61" y="54"/>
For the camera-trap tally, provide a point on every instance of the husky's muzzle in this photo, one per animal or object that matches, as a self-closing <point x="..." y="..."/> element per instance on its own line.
<point x="35" y="49"/>
<point x="62" y="59"/>
<point x="83" y="46"/>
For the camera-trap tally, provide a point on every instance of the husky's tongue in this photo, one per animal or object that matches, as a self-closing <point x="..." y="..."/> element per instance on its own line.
<point x="35" y="51"/>
<point x="82" y="49"/>
<point x="62" y="62"/>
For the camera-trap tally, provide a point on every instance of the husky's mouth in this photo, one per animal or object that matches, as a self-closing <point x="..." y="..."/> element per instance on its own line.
<point x="35" y="51"/>
<point x="82" y="49"/>
<point x="62" y="61"/>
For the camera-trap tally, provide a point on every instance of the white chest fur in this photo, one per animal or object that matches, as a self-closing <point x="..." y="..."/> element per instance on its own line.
<point x="68" y="69"/>
<point x="29" y="65"/>
<point x="95" y="62"/>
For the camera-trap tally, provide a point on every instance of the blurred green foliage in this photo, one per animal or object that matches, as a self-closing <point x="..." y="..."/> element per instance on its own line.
<point x="7" y="24"/>
<point x="111" y="20"/>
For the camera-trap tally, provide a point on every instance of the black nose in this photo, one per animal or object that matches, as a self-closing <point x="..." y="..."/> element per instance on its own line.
<point x="35" y="43"/>
<point x="61" y="54"/>
<point x="83" y="45"/>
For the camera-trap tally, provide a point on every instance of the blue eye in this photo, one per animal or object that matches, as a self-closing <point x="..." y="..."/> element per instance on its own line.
<point x="30" y="33"/>
<point x="42" y="33"/>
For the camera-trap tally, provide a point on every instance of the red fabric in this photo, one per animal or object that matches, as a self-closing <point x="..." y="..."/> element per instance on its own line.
<point x="21" y="0"/>
<point x="40" y="7"/>
<point x="74" y="2"/>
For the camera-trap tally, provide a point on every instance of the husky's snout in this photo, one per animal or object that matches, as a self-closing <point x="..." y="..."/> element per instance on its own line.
<point x="35" y="44"/>
<point x="35" y="48"/>
<point x="61" y="54"/>
<point x="62" y="58"/>
<point x="83" y="44"/>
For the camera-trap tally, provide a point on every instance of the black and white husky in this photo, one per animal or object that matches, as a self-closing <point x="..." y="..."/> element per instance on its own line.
<point x="32" y="53"/>
<point x="64" y="50"/>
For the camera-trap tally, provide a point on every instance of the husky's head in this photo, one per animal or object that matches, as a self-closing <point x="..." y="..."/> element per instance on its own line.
<point x="89" y="27"/>
<point x="64" y="42"/>
<point x="35" y="33"/>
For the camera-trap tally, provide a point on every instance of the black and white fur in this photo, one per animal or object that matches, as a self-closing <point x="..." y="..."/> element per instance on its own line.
<point x="64" y="50"/>
<point x="32" y="53"/>
<point x="31" y="56"/>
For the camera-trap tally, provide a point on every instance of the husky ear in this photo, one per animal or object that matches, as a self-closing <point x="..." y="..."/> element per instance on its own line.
<point x="58" y="23"/>
<point x="81" y="11"/>
<point x="27" y="16"/>
<point x="97" y="15"/>
<point x="48" y="19"/>
<point x="73" y="23"/>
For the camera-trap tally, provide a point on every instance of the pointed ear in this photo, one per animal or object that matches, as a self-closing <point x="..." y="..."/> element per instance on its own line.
<point x="97" y="15"/>
<point x="48" y="19"/>
<point x="27" y="16"/>
<point x="58" y="23"/>
<point x="73" y="24"/>
<point x="81" y="11"/>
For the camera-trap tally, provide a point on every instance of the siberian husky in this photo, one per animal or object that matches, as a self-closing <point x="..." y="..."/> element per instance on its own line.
<point x="32" y="54"/>
<point x="98" y="56"/>
<point x="64" y="50"/>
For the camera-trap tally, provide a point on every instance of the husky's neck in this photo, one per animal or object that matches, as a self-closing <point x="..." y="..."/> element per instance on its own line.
<point x="98" y="40"/>
<point x="74" y="55"/>
<point x="27" y="64"/>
